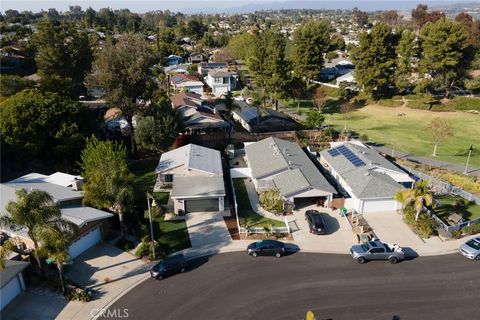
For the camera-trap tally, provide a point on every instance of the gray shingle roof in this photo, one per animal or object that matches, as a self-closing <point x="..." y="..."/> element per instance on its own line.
<point x="12" y="268"/>
<point x="366" y="181"/>
<point x="198" y="186"/>
<point x="193" y="157"/>
<point x="273" y="156"/>
<point x="82" y="215"/>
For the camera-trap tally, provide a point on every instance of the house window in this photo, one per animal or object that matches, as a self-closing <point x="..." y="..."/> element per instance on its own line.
<point x="217" y="80"/>
<point x="168" y="177"/>
<point x="225" y="80"/>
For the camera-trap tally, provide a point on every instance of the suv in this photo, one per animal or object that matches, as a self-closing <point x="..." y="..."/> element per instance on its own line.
<point x="377" y="250"/>
<point x="315" y="220"/>
<point x="169" y="266"/>
<point x="266" y="248"/>
<point x="471" y="249"/>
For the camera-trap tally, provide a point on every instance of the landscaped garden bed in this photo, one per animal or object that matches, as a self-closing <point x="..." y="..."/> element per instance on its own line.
<point x="448" y="204"/>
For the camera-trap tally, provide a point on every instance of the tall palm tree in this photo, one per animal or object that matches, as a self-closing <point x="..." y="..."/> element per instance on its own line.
<point x="34" y="211"/>
<point x="420" y="196"/>
<point x="55" y="244"/>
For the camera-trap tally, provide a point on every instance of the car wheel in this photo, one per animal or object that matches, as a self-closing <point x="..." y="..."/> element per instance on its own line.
<point x="477" y="258"/>
<point x="159" y="278"/>
<point x="255" y="254"/>
<point x="361" y="260"/>
<point x="182" y="270"/>
<point x="278" y="254"/>
<point x="393" y="260"/>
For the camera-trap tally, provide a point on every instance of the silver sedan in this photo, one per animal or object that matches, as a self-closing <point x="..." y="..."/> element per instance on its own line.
<point x="471" y="249"/>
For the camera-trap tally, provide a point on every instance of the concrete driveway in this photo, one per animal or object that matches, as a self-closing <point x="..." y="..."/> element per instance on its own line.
<point x="208" y="232"/>
<point x="338" y="239"/>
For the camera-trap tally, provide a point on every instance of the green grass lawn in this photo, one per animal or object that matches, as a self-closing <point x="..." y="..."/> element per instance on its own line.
<point x="407" y="133"/>
<point x="246" y="215"/>
<point x="470" y="212"/>
<point x="172" y="235"/>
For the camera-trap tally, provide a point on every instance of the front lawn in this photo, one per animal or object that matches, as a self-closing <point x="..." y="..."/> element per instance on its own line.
<point x="470" y="211"/>
<point x="172" y="235"/>
<point x="246" y="215"/>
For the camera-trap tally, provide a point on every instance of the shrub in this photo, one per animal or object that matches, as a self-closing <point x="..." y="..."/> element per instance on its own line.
<point x="79" y="294"/>
<point x="464" y="182"/>
<point x="471" y="229"/>
<point x="424" y="226"/>
<point x="271" y="201"/>
<point x="156" y="212"/>
<point x="331" y="133"/>
<point x="145" y="249"/>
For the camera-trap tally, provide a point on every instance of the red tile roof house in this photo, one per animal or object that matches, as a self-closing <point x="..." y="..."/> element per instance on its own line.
<point x="197" y="115"/>
<point x="186" y="82"/>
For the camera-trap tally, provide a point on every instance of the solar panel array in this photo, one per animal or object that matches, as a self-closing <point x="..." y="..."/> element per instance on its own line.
<point x="349" y="155"/>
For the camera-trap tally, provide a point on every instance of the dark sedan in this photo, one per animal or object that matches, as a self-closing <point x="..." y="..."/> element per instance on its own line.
<point x="169" y="266"/>
<point x="315" y="220"/>
<point x="266" y="248"/>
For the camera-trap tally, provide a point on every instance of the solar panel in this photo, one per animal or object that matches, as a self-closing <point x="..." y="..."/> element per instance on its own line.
<point x="350" y="156"/>
<point x="333" y="152"/>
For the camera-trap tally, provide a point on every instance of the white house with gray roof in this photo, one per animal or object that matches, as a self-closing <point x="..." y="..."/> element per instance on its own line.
<point x="194" y="176"/>
<point x="277" y="163"/>
<point x="66" y="192"/>
<point x="371" y="180"/>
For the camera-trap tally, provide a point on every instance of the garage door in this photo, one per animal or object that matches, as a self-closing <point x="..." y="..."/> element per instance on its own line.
<point x="10" y="291"/>
<point x="200" y="205"/>
<point x="86" y="241"/>
<point x="379" y="205"/>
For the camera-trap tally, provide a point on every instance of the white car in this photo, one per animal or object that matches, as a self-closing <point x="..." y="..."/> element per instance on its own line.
<point x="471" y="249"/>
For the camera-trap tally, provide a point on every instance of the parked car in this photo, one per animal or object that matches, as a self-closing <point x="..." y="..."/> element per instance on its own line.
<point x="377" y="250"/>
<point x="315" y="220"/>
<point x="239" y="98"/>
<point x="471" y="249"/>
<point x="169" y="266"/>
<point x="266" y="248"/>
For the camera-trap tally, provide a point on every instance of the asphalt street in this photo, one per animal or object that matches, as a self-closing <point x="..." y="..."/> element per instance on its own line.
<point x="237" y="286"/>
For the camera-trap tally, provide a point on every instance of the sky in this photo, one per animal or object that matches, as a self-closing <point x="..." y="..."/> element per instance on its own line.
<point x="189" y="6"/>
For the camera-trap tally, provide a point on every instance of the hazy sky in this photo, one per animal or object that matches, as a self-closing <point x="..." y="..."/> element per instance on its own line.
<point x="178" y="5"/>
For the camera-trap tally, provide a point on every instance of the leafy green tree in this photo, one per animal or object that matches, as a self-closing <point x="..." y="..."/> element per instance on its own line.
<point x="242" y="45"/>
<point x="122" y="71"/>
<point x="472" y="27"/>
<point x="345" y="91"/>
<point x="62" y="52"/>
<point x="156" y="133"/>
<point x="297" y="90"/>
<point x="311" y="40"/>
<point x="374" y="60"/>
<point x="36" y="212"/>
<point x="196" y="29"/>
<point x="230" y="106"/>
<point x="314" y="119"/>
<point x="406" y="52"/>
<point x="5" y="250"/>
<point x="40" y="124"/>
<point x="420" y="196"/>
<point x="11" y="84"/>
<point x="108" y="181"/>
<point x="446" y="54"/>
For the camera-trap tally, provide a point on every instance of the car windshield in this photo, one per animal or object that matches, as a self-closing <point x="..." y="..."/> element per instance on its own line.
<point x="475" y="244"/>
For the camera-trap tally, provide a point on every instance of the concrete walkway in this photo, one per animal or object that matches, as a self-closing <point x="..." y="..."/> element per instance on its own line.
<point x="255" y="202"/>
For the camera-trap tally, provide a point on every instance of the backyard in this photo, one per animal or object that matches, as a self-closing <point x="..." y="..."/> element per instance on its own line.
<point x="246" y="215"/>
<point x="455" y="204"/>
<point x="172" y="235"/>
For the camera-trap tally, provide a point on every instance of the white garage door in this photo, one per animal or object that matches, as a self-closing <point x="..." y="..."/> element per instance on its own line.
<point x="379" y="205"/>
<point x="10" y="291"/>
<point x="86" y="241"/>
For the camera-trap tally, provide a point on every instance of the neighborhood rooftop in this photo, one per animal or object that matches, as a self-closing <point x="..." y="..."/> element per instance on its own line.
<point x="198" y="186"/>
<point x="273" y="155"/>
<point x="194" y="157"/>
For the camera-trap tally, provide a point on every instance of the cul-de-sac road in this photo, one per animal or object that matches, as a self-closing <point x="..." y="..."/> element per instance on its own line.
<point x="237" y="286"/>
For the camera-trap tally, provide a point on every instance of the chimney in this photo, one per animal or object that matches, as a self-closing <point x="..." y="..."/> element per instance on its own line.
<point x="77" y="184"/>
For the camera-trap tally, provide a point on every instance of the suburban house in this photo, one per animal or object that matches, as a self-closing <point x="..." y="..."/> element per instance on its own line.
<point x="186" y="82"/>
<point x="205" y="67"/>
<point x="173" y="60"/>
<point x="221" y="82"/>
<point x="11" y="281"/>
<point x="269" y="120"/>
<point x="176" y="68"/>
<point x="66" y="192"/>
<point x="197" y="115"/>
<point x="347" y="77"/>
<point x="196" y="57"/>
<point x="277" y="163"/>
<point x="335" y="68"/>
<point x="371" y="180"/>
<point x="195" y="176"/>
